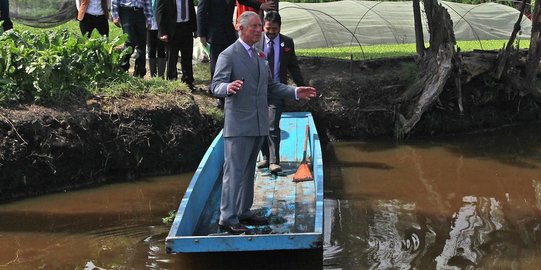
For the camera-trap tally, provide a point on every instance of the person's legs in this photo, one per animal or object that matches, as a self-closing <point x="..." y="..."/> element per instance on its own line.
<point x="125" y="20"/>
<point x="239" y="162"/>
<point x="102" y="25"/>
<point x="246" y="198"/>
<point x="152" y="43"/>
<point x="275" y="113"/>
<point x="215" y="50"/>
<point x="140" y="41"/>
<point x="162" y="57"/>
<point x="172" y="59"/>
<point x="185" y="40"/>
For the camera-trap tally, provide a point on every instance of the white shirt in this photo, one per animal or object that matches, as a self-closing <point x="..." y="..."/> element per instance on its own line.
<point x="94" y="7"/>
<point x="185" y="3"/>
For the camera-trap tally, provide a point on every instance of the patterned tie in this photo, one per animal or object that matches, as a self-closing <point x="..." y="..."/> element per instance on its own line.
<point x="270" y="57"/>
<point x="254" y="54"/>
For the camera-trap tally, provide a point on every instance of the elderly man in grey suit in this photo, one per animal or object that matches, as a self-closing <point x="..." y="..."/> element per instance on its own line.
<point x="242" y="78"/>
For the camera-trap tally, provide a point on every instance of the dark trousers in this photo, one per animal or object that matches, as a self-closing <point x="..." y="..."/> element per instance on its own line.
<point x="4" y="15"/>
<point x="215" y="50"/>
<point x="271" y="144"/>
<point x="7" y="24"/>
<point x="135" y="26"/>
<point x="91" y="22"/>
<point x="156" y="47"/>
<point x="181" y="41"/>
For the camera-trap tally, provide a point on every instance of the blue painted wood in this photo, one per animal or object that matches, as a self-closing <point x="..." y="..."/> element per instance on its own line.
<point x="195" y="226"/>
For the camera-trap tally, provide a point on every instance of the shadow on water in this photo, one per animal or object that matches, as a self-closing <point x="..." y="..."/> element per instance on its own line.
<point x="253" y="260"/>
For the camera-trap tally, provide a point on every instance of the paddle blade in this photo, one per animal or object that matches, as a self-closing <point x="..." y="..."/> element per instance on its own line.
<point x="303" y="173"/>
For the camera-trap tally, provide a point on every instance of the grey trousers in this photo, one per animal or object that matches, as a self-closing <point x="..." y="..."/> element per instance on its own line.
<point x="238" y="181"/>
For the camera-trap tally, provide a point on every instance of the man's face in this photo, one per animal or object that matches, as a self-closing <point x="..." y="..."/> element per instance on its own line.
<point x="251" y="34"/>
<point x="271" y="29"/>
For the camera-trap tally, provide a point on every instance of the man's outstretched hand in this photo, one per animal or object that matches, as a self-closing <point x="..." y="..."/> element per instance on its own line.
<point x="306" y="92"/>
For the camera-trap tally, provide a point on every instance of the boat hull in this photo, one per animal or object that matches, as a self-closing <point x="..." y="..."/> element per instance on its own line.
<point x="295" y="210"/>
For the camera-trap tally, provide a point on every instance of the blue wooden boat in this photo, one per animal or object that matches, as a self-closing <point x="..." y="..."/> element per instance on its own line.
<point x="295" y="209"/>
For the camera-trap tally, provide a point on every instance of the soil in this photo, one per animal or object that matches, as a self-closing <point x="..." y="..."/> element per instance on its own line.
<point x="47" y="149"/>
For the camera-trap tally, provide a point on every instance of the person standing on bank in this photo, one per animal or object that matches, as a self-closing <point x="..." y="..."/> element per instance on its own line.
<point x="156" y="48"/>
<point x="266" y="5"/>
<point x="135" y="17"/>
<point x="215" y="25"/>
<point x="93" y="14"/>
<point x="4" y="15"/>
<point x="243" y="79"/>
<point x="177" y="25"/>
<point x="280" y="52"/>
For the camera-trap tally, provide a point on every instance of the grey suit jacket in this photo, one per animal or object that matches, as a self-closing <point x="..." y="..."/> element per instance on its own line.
<point x="246" y="112"/>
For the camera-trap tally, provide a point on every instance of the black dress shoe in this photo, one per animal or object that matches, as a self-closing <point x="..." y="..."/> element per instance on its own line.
<point x="191" y="87"/>
<point x="255" y="220"/>
<point x="234" y="229"/>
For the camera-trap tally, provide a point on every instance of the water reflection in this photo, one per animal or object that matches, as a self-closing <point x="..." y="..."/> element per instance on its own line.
<point x="469" y="202"/>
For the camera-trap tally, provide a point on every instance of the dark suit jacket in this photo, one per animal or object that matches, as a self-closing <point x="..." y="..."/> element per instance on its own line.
<point x="215" y="20"/>
<point x="166" y="17"/>
<point x="288" y="63"/>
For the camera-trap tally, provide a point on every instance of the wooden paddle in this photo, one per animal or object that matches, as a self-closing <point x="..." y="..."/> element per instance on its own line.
<point x="303" y="172"/>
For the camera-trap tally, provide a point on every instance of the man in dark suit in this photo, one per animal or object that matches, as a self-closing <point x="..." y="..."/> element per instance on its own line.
<point x="177" y="25"/>
<point x="242" y="78"/>
<point x="280" y="52"/>
<point x="215" y="25"/>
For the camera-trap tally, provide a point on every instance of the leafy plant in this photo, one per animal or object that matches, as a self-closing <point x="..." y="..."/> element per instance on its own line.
<point x="168" y="220"/>
<point x="55" y="66"/>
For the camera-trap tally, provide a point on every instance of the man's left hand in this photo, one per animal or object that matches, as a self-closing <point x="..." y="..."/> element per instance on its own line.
<point x="306" y="92"/>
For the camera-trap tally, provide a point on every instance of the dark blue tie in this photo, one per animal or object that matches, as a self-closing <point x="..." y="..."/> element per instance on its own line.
<point x="182" y="10"/>
<point x="270" y="57"/>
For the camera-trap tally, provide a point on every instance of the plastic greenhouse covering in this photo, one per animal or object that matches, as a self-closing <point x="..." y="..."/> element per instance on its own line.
<point x="333" y="24"/>
<point x="42" y="13"/>
<point x="350" y="23"/>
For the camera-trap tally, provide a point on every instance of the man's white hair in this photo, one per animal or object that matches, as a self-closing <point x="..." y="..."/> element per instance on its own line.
<point x="245" y="17"/>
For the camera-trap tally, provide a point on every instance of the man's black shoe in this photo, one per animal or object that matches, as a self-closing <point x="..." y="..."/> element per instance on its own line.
<point x="234" y="229"/>
<point x="192" y="87"/>
<point x="255" y="220"/>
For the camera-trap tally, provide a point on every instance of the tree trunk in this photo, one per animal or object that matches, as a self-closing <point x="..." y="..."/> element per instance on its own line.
<point x="534" y="53"/>
<point x="436" y="65"/>
<point x="502" y="65"/>
<point x="419" y="39"/>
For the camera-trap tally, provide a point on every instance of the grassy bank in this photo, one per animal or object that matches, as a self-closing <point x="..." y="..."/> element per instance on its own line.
<point x="120" y="83"/>
<point x="398" y="50"/>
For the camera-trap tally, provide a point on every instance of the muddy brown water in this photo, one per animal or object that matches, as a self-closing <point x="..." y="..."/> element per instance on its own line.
<point x="463" y="202"/>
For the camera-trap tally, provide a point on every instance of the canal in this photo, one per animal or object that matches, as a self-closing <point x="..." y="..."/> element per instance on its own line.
<point x="461" y="202"/>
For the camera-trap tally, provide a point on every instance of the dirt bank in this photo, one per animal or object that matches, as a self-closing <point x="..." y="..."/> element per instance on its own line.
<point x="54" y="149"/>
<point x="47" y="149"/>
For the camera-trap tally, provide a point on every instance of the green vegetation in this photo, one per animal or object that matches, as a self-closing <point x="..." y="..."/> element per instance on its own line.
<point x="59" y="65"/>
<point x="168" y="220"/>
<point x="398" y="50"/>
<point x="56" y="65"/>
